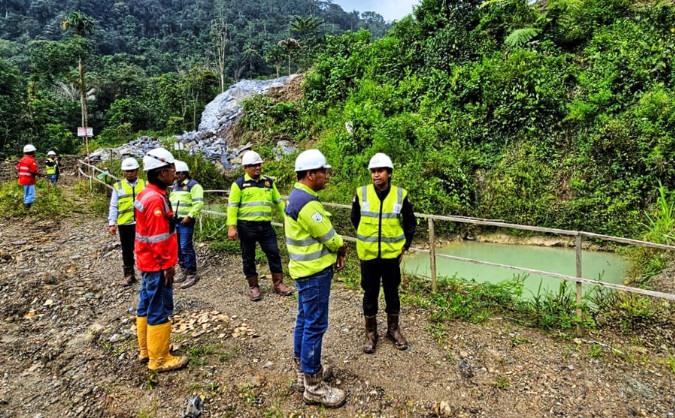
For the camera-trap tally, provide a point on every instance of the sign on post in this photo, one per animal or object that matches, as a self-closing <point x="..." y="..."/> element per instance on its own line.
<point x="81" y="132"/>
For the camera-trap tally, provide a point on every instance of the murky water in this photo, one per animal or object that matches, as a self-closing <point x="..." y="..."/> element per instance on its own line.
<point x="604" y="266"/>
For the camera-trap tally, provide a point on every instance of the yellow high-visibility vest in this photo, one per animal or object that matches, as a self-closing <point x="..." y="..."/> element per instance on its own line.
<point x="380" y="233"/>
<point x="310" y="238"/>
<point x="126" y="196"/>
<point x="252" y="200"/>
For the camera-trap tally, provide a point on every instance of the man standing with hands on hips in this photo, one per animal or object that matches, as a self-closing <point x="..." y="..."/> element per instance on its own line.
<point x="249" y="216"/>
<point x="156" y="258"/>
<point x="385" y="225"/>
<point x="313" y="248"/>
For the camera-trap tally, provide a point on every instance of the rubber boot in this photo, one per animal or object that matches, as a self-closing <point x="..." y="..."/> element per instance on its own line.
<point x="370" y="342"/>
<point x="142" y="329"/>
<point x="159" y="337"/>
<point x="191" y="279"/>
<point x="299" y="384"/>
<point x="253" y="289"/>
<point x="317" y="392"/>
<point x="394" y="332"/>
<point x="279" y="286"/>
<point x="27" y="206"/>
<point x="129" y="276"/>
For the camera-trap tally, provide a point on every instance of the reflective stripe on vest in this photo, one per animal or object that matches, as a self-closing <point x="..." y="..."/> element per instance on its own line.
<point x="380" y="233"/>
<point x="153" y="239"/>
<point x="308" y="255"/>
<point x="139" y="203"/>
<point x="126" y="195"/>
<point x="256" y="202"/>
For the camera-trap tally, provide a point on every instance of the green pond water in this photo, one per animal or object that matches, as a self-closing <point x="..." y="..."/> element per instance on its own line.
<point x="604" y="266"/>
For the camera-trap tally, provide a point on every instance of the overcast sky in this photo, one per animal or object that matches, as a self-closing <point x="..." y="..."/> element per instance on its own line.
<point x="390" y="9"/>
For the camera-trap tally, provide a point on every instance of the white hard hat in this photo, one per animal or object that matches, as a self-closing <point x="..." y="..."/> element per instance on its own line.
<point x="51" y="153"/>
<point x="129" y="164"/>
<point x="380" y="160"/>
<point x="181" y="167"/>
<point x="251" y="158"/>
<point x="157" y="158"/>
<point x="311" y="159"/>
<point x="29" y="148"/>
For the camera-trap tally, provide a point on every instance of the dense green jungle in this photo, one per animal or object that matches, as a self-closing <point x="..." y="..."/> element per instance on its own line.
<point x="555" y="113"/>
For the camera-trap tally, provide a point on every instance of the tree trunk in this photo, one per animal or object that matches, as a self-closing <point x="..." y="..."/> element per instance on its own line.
<point x="289" y="64"/>
<point x="85" y="118"/>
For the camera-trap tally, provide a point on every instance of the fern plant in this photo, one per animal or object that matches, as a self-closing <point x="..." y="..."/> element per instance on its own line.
<point x="520" y="37"/>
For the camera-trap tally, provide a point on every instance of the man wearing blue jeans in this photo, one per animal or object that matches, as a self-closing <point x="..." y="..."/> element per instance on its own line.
<point x="187" y="200"/>
<point x="313" y="248"/>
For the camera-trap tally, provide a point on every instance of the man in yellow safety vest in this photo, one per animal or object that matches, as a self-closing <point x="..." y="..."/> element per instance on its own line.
<point x="121" y="216"/>
<point x="385" y="225"/>
<point x="187" y="200"/>
<point x="313" y="248"/>
<point x="53" y="167"/>
<point x="249" y="216"/>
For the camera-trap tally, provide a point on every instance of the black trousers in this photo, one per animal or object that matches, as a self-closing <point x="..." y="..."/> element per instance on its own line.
<point x="127" y="238"/>
<point x="250" y="233"/>
<point x="388" y="272"/>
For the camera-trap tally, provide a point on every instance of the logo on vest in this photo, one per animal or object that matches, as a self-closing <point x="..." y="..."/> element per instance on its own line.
<point x="366" y="206"/>
<point x="397" y="208"/>
<point x="157" y="212"/>
<point x="316" y="216"/>
<point x="267" y="184"/>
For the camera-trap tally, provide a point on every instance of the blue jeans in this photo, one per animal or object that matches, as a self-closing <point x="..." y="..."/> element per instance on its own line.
<point x="156" y="299"/>
<point x="312" y="321"/>
<point x="28" y="194"/>
<point x="53" y="178"/>
<point x="186" y="250"/>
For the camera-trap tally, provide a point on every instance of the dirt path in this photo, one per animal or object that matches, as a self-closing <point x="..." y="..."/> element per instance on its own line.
<point x="68" y="348"/>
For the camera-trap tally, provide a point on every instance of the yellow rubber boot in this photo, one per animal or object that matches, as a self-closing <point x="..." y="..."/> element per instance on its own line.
<point x="142" y="329"/>
<point x="159" y="337"/>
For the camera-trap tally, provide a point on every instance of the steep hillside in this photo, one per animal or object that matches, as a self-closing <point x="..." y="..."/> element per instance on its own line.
<point x="554" y="115"/>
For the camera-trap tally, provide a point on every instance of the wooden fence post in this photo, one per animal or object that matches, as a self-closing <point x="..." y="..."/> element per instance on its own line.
<point x="432" y="254"/>
<point x="200" y="222"/>
<point x="578" y="248"/>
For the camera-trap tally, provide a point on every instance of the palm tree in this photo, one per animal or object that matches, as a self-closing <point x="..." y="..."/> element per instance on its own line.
<point x="305" y="29"/>
<point x="289" y="46"/>
<point x="81" y="25"/>
<point x="275" y="56"/>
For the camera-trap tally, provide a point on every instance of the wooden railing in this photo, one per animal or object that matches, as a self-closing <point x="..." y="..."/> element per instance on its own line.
<point x="578" y="235"/>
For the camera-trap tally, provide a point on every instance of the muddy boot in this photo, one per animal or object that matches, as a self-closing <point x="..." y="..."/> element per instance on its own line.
<point x="180" y="278"/>
<point x="299" y="384"/>
<point x="318" y="392"/>
<point x="27" y="206"/>
<point x="394" y="332"/>
<point x="279" y="286"/>
<point x="159" y="346"/>
<point x="371" y="335"/>
<point x="191" y="279"/>
<point x="129" y="276"/>
<point x="253" y="289"/>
